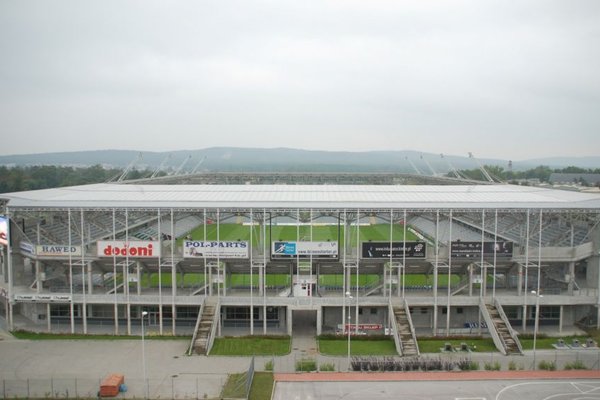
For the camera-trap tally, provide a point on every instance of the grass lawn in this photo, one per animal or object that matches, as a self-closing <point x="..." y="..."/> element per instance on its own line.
<point x="262" y="386"/>
<point x="547" y="342"/>
<point x="67" y="336"/>
<point x="429" y="345"/>
<point x="358" y="347"/>
<point x="261" y="389"/>
<point x="377" y="232"/>
<point x="251" y="345"/>
<point x="235" y="387"/>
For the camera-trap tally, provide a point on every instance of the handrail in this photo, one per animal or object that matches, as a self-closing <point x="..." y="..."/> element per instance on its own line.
<point x="191" y="348"/>
<point x="395" y="330"/>
<point x="511" y="331"/>
<point x="500" y="345"/>
<point x="211" y="336"/>
<point x="410" y="324"/>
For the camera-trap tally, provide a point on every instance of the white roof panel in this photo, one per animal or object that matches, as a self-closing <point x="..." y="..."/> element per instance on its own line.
<point x="303" y="196"/>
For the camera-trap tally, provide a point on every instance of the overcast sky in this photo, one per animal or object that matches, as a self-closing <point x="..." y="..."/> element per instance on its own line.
<point x="502" y="79"/>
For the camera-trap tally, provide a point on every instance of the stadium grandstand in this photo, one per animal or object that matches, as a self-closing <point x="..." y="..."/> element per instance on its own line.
<point x="229" y="254"/>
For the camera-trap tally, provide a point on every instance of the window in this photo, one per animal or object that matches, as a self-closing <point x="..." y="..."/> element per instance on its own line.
<point x="187" y="312"/>
<point x="423" y="310"/>
<point x="373" y="311"/>
<point x="547" y="312"/>
<point x="60" y="310"/>
<point x="511" y="312"/>
<point x="272" y="314"/>
<point x="459" y="310"/>
<point x="240" y="313"/>
<point x="444" y="310"/>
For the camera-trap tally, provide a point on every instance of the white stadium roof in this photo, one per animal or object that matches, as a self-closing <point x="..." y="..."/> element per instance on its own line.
<point x="303" y="196"/>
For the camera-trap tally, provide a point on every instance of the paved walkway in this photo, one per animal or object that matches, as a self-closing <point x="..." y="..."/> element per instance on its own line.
<point x="75" y="367"/>
<point x="436" y="376"/>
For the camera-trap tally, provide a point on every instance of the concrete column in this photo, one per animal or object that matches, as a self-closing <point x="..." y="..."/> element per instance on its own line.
<point x="289" y="321"/>
<point x="89" y="276"/>
<point x="38" y="276"/>
<point x="138" y="269"/>
<point x="261" y="286"/>
<point x="519" y="280"/>
<point x="560" y="320"/>
<point x="48" y="317"/>
<point x="224" y="279"/>
<point x="319" y="320"/>
<point x="470" y="269"/>
<point x="571" y="278"/>
<point x="210" y="281"/>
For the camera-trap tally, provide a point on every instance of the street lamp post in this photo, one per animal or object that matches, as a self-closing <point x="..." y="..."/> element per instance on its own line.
<point x="536" y="323"/>
<point x="144" y="313"/>
<point x="349" y="296"/>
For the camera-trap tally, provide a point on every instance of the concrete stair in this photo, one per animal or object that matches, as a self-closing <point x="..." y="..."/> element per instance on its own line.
<point x="204" y="328"/>
<point x="409" y="346"/>
<point x="510" y="344"/>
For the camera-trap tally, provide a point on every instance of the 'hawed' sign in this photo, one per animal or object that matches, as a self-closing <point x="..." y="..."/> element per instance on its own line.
<point x="214" y="249"/>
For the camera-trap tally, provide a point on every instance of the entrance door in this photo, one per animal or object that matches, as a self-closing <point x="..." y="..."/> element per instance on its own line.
<point x="153" y="318"/>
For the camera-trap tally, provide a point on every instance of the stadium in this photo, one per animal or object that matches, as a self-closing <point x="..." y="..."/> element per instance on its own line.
<point x="365" y="254"/>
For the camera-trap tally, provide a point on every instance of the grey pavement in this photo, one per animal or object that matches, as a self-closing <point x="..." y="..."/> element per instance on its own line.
<point x="441" y="390"/>
<point x="70" y="368"/>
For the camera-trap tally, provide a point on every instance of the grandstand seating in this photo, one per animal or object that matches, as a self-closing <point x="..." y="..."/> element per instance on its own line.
<point x="459" y="231"/>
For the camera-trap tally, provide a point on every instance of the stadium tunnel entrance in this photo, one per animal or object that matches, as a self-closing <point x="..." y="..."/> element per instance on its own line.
<point x="304" y="323"/>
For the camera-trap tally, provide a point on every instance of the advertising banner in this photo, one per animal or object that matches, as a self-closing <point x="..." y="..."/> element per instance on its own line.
<point x="461" y="249"/>
<point x="3" y="230"/>
<point x="214" y="249"/>
<point x="133" y="248"/>
<point x="304" y="249"/>
<point x="382" y="249"/>
<point x="50" y="250"/>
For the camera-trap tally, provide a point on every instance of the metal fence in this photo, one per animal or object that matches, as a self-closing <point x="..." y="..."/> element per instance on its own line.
<point x="192" y="386"/>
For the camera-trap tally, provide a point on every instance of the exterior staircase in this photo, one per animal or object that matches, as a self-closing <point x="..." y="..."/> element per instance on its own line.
<point x="405" y="332"/>
<point x="205" y="328"/>
<point x="504" y="336"/>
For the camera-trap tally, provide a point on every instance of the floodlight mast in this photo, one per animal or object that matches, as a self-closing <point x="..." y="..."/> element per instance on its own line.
<point x="428" y="165"/>
<point x="178" y="170"/>
<point x="414" y="166"/>
<point x="198" y="165"/>
<point x="482" y="169"/>
<point x="127" y="169"/>
<point x="452" y="169"/>
<point x="160" y="167"/>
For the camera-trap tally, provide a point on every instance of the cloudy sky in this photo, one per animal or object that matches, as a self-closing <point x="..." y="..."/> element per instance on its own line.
<point x="503" y="79"/>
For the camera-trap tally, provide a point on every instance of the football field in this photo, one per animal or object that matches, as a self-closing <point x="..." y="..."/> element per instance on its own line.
<point x="304" y="233"/>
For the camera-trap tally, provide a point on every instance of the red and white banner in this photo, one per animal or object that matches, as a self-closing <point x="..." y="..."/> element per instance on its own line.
<point x="134" y="248"/>
<point x="3" y="230"/>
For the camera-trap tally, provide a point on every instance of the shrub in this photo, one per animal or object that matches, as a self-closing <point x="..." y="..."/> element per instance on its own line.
<point x="327" y="367"/>
<point x="466" y="365"/>
<point x="269" y="366"/>
<point x="547" y="365"/>
<point x="488" y="366"/>
<point x="306" y="364"/>
<point x="575" y="365"/>
<point x="512" y="366"/>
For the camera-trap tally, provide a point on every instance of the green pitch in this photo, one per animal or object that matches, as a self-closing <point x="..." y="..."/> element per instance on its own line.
<point x="378" y="232"/>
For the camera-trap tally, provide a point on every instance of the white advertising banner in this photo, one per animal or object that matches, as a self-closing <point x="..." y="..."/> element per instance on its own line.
<point x="305" y="249"/>
<point x="214" y="249"/>
<point x="133" y="248"/>
<point x="50" y="250"/>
